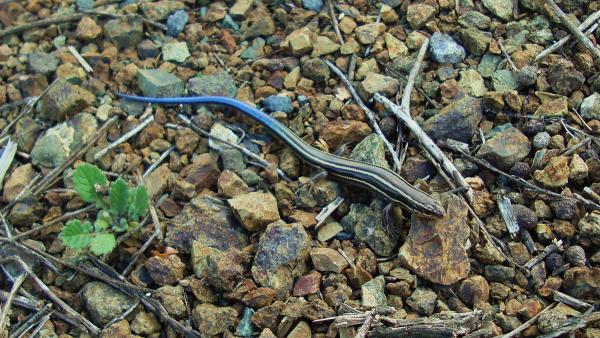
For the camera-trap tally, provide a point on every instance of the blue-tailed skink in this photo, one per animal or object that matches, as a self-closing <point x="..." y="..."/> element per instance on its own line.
<point x="384" y="181"/>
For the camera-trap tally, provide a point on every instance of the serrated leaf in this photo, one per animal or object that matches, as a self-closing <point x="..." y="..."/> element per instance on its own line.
<point x="138" y="202"/>
<point x="85" y="179"/>
<point x="102" y="244"/>
<point x="118" y="196"/>
<point x="77" y="235"/>
<point x="103" y="220"/>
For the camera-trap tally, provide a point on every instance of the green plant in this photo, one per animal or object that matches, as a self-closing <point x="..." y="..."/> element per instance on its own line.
<point x="118" y="212"/>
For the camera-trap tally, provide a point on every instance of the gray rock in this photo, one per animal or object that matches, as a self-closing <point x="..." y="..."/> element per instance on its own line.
<point x="104" y="303"/>
<point x="255" y="50"/>
<point x="590" y="107"/>
<point x="208" y="222"/>
<point x="43" y="63"/>
<point x="148" y="49"/>
<point x="366" y="224"/>
<point x="159" y="83"/>
<point x="313" y="5"/>
<point x="125" y="32"/>
<point x="176" y="22"/>
<point x="458" y="120"/>
<point x="445" y="50"/>
<point x="372" y="292"/>
<point x="541" y="140"/>
<point x="422" y="301"/>
<point x="316" y="70"/>
<point x="64" y="100"/>
<point x="278" y="103"/>
<point x="501" y="8"/>
<point x="371" y="150"/>
<point x="53" y="147"/>
<point x="506" y="148"/>
<point x="176" y="51"/>
<point x="233" y="159"/>
<point x="219" y="83"/>
<point x="504" y="80"/>
<point x="499" y="273"/>
<point x="281" y="256"/>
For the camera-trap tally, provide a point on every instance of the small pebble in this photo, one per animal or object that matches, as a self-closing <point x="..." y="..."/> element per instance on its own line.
<point x="541" y="140"/>
<point x="575" y="255"/>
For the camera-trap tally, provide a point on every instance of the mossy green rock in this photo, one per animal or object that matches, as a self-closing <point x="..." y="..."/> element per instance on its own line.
<point x="159" y="83"/>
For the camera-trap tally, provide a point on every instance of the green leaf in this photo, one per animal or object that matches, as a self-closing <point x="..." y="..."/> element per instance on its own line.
<point x="103" y="221"/>
<point x="121" y="226"/>
<point x="85" y="178"/>
<point x="138" y="202"/>
<point x="103" y="244"/>
<point x="118" y="196"/>
<point x="77" y="235"/>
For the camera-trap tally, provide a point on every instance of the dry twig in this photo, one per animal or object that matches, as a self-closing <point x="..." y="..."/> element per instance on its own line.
<point x="584" y="25"/>
<point x="83" y="323"/>
<point x="370" y="114"/>
<point x="11" y="296"/>
<point x="527" y="324"/>
<point x="584" y="40"/>
<point x="125" y="137"/>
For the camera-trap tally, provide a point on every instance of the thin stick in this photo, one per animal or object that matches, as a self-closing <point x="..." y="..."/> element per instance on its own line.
<point x="22" y="327"/>
<point x="414" y="72"/>
<point x="370" y="114"/>
<point x="154" y="236"/>
<point x="6" y="159"/>
<point x="80" y="59"/>
<point x="527" y="324"/>
<point x="125" y="137"/>
<point x="584" y="40"/>
<point x="540" y="257"/>
<point x="40" y="325"/>
<point x="26" y="110"/>
<point x="364" y="328"/>
<point x="90" y="273"/>
<point x="584" y="25"/>
<point x="368" y="50"/>
<point x="427" y="143"/>
<point x="262" y="162"/>
<point x="40" y="23"/>
<point x="574" y="148"/>
<point x="11" y="296"/>
<point x="15" y="104"/>
<point x="506" y="212"/>
<point x="158" y="161"/>
<point x="59" y="219"/>
<point x="83" y="322"/>
<point x="336" y="27"/>
<point x="571" y="301"/>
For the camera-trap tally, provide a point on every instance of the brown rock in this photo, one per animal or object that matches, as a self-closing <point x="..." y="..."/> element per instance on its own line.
<point x="555" y="174"/>
<point x="434" y="248"/>
<point x="5" y="53"/>
<point x="186" y="140"/>
<point x="119" y="329"/>
<point x="328" y="260"/>
<point x="255" y="210"/>
<point x="87" y="29"/>
<point x="226" y="269"/>
<point x="213" y="320"/>
<point x="157" y="181"/>
<point x="268" y="316"/>
<point x="259" y="297"/>
<point x="230" y="184"/>
<point x="145" y="323"/>
<point x="418" y="14"/>
<point x="203" y="173"/>
<point x="367" y="34"/>
<point x="582" y="282"/>
<point x="300" y="331"/>
<point x="165" y="270"/>
<point x="338" y="132"/>
<point x="473" y="290"/>
<point x="17" y="181"/>
<point x="307" y="285"/>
